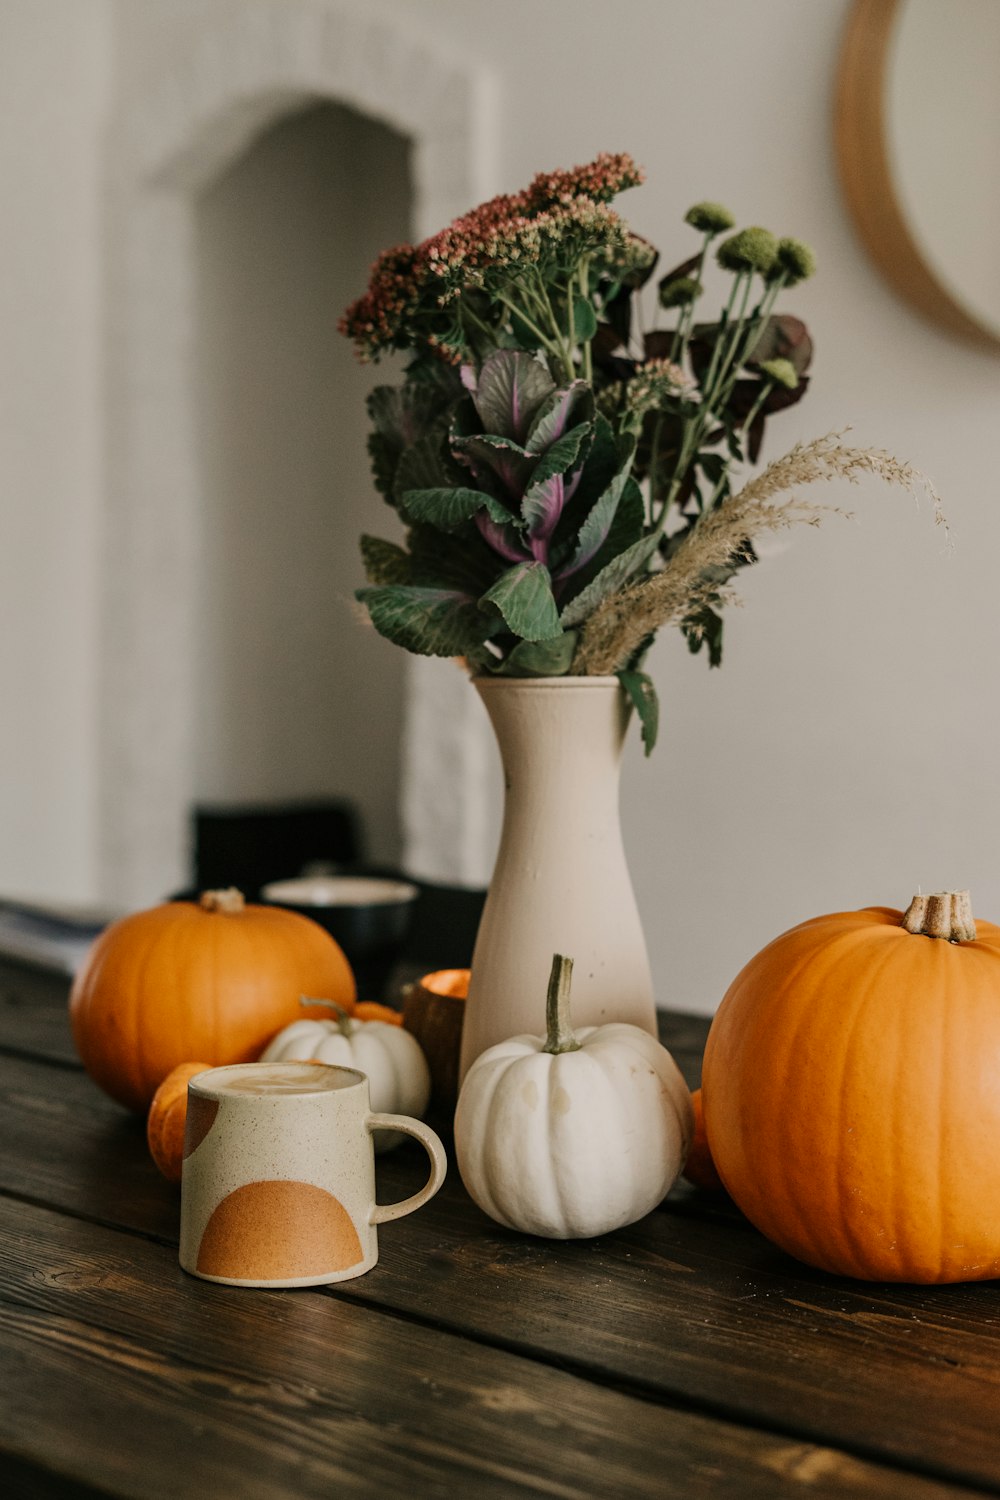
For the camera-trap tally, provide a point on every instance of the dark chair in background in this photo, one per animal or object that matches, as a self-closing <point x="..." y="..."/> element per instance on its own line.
<point x="253" y="844"/>
<point x="248" y="845"/>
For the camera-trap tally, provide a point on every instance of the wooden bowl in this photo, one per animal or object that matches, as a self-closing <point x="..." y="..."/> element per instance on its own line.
<point x="433" y="1010"/>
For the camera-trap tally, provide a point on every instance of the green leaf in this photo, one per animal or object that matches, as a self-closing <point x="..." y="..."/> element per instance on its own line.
<point x="523" y="598"/>
<point x="385" y="562"/>
<point x="430" y="622"/>
<point x="560" y="457"/>
<point x="603" y="463"/>
<point x="713" y="465"/>
<point x="628" y="526"/>
<point x="400" y="415"/>
<point x="422" y="466"/>
<point x="584" y="319"/>
<point x="608" y="581"/>
<point x="384" y="458"/>
<point x="596" y="528"/>
<point x="527" y="336"/>
<point x="486" y="454"/>
<point x="448" y="509"/>
<point x="512" y="386"/>
<point x="551" y="658"/>
<point x="458" y="562"/>
<point x="552" y="418"/>
<point x="639" y="686"/>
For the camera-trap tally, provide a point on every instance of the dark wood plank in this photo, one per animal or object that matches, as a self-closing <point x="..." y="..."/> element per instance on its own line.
<point x="34" y="1012"/>
<point x="690" y="1305"/>
<point x="123" y="1371"/>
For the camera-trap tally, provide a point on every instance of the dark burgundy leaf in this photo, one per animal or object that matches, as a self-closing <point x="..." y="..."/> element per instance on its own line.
<point x="783" y="337"/>
<point x="657" y="345"/>
<point x="686" y="268"/>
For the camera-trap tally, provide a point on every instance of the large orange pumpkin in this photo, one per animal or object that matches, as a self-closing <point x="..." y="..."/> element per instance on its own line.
<point x="214" y="979"/>
<point x="851" y="1089"/>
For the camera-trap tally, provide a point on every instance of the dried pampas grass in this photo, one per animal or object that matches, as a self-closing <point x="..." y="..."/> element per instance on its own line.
<point x="690" y="579"/>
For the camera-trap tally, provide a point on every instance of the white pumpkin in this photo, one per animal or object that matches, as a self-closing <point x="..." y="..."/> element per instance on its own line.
<point x="399" y="1080"/>
<point x="571" y="1136"/>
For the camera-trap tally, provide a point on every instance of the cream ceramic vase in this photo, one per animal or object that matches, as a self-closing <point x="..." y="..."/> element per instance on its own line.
<point x="561" y="884"/>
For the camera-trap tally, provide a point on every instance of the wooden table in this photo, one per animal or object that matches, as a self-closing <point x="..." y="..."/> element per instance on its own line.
<point x="681" y="1357"/>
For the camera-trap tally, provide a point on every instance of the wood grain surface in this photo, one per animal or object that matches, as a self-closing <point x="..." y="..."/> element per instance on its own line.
<point x="683" y="1356"/>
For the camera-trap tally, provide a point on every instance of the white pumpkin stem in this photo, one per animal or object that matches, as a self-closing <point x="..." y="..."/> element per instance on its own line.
<point x="229" y="900"/>
<point x="946" y="914"/>
<point x="343" y="1019"/>
<point x="558" y="1024"/>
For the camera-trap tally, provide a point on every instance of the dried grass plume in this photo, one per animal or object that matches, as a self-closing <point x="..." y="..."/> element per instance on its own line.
<point x="690" y="578"/>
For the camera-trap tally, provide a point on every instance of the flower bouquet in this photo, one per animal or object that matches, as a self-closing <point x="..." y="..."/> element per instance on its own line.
<point x="565" y="475"/>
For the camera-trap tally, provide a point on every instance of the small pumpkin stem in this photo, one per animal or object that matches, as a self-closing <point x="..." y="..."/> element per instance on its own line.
<point x="230" y="900"/>
<point x="343" y="1019"/>
<point x="558" y="1025"/>
<point x="946" y="914"/>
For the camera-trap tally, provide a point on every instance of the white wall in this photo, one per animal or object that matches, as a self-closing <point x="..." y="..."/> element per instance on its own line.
<point x="54" y="59"/>
<point x="845" y="751"/>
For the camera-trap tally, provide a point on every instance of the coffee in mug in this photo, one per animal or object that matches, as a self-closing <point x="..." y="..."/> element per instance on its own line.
<point x="278" y="1184"/>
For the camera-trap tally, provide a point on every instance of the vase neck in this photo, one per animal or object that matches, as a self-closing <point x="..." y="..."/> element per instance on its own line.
<point x="565" y="734"/>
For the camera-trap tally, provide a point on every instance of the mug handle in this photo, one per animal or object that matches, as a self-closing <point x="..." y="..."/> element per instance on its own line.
<point x="381" y="1213"/>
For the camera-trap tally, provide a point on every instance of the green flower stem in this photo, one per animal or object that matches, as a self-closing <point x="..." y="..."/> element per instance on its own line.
<point x="693" y="429"/>
<point x="716" y="495"/>
<point x="732" y="345"/>
<point x="767" y="387"/>
<point x="556" y="350"/>
<point x="686" y="320"/>
<point x="718" y="386"/>
<point x="696" y="426"/>
<point x="761" y="315"/>
<point x="751" y="334"/>
<point x="588" y="363"/>
<point x="564" y="346"/>
<point x="723" y="326"/>
<point x="733" y="341"/>
<point x="654" y="460"/>
<point x="474" y="320"/>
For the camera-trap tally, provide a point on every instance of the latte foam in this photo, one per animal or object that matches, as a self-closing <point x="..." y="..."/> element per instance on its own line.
<point x="269" y="1079"/>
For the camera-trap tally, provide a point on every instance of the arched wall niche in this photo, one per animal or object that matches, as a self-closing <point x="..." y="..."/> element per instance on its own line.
<point x="173" y="131"/>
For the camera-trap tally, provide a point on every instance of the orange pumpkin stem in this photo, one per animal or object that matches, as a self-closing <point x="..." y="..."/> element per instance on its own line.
<point x="946" y="914"/>
<point x="230" y="900"/>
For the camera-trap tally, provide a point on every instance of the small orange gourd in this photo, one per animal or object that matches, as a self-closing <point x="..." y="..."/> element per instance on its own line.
<point x="167" y="1118"/>
<point x="371" y="1010"/>
<point x="214" y="979"/>
<point x="699" y="1168"/>
<point x="851" y="1088"/>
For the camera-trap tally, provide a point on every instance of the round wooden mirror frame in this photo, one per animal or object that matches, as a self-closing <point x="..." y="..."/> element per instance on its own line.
<point x="866" y="176"/>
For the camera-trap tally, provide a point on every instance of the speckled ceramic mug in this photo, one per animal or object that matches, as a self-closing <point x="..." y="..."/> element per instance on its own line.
<point x="278" y="1187"/>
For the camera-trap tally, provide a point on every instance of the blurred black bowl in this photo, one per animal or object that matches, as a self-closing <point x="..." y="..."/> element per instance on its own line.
<point x="368" y="915"/>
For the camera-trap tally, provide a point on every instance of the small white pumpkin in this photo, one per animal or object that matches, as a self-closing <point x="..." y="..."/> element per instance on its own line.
<point x="571" y="1136"/>
<point x="399" y="1080"/>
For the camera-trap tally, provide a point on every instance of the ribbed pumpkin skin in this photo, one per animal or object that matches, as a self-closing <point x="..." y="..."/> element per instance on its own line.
<point x="851" y="1089"/>
<point x="162" y="986"/>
